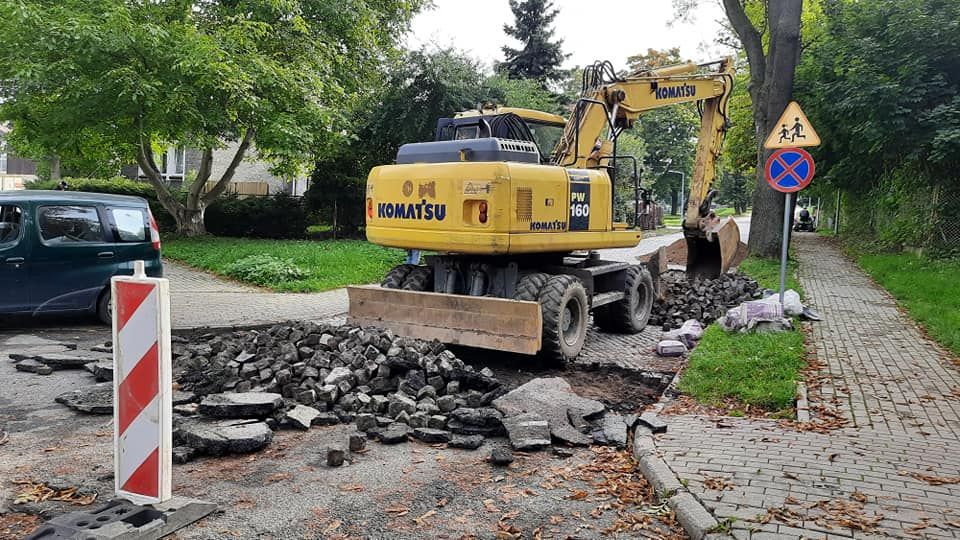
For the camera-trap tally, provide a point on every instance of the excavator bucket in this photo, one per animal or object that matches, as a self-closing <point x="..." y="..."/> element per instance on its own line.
<point x="714" y="252"/>
<point x="476" y="321"/>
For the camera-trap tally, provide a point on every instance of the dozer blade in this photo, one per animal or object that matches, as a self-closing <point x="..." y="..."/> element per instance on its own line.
<point x="477" y="321"/>
<point x="712" y="253"/>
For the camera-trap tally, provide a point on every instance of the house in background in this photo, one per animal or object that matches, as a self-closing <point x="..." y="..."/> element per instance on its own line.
<point x="15" y="172"/>
<point x="252" y="176"/>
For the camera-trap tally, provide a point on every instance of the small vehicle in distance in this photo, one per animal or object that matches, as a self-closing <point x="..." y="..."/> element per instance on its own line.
<point x="59" y="249"/>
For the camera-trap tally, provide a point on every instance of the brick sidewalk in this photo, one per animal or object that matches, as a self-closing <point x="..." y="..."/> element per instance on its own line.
<point x="201" y="299"/>
<point x="901" y="398"/>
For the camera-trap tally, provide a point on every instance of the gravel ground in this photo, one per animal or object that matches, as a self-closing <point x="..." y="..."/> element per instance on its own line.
<point x="412" y="490"/>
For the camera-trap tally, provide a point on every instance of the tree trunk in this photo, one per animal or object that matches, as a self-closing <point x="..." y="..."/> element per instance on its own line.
<point x="55" y="168"/>
<point x="674" y="202"/>
<point x="189" y="214"/>
<point x="771" y="88"/>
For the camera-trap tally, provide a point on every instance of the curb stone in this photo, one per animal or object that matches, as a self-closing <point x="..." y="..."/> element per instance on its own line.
<point x="695" y="519"/>
<point x="803" y="406"/>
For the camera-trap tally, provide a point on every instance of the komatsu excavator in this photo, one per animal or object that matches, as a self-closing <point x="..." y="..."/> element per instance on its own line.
<point x="515" y="203"/>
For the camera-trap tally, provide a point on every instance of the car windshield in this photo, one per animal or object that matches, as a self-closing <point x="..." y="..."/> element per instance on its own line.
<point x="546" y="136"/>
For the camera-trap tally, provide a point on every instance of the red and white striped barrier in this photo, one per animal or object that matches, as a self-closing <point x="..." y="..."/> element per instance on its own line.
<point x="142" y="387"/>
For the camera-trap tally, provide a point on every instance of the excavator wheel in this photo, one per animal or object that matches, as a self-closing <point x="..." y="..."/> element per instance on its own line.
<point x="528" y="288"/>
<point x="419" y="279"/>
<point x="564" y="307"/>
<point x="396" y="275"/>
<point x="631" y="314"/>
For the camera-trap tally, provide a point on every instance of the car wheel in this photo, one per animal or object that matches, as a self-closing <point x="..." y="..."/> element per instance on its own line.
<point x="105" y="308"/>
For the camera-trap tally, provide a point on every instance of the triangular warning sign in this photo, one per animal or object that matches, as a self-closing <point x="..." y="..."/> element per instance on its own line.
<point x="793" y="130"/>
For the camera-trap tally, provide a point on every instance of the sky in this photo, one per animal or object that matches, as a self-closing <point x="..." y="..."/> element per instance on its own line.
<point x="591" y="29"/>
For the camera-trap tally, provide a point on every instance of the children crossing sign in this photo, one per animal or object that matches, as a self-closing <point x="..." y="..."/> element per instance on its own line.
<point x="793" y="130"/>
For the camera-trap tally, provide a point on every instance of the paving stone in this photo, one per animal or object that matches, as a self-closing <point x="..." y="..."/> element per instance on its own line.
<point x="326" y="418"/>
<point x="68" y="360"/>
<point x="241" y="405"/>
<point x="95" y="399"/>
<point x="430" y="435"/>
<point x="612" y="432"/>
<point x="527" y="431"/>
<point x="366" y="422"/>
<point x="400" y="403"/>
<point x="32" y="366"/>
<point x="395" y="433"/>
<point x="335" y="456"/>
<point x="302" y="416"/>
<point x="501" y="455"/>
<point x="357" y="442"/>
<point x="551" y="398"/>
<point x="216" y="438"/>
<point x="183" y="454"/>
<point x="468" y="442"/>
<point x="102" y="371"/>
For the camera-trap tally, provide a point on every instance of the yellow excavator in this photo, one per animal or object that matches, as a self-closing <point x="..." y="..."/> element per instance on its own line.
<point x="515" y="202"/>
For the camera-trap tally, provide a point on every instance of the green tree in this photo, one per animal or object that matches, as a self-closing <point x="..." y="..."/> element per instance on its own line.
<point x="525" y="93"/>
<point x="141" y="76"/>
<point x="669" y="133"/>
<point x="416" y="90"/>
<point x="541" y="56"/>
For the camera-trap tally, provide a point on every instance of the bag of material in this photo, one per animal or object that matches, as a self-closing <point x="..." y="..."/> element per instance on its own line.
<point x="748" y="314"/>
<point x="669" y="347"/>
<point x="791" y="302"/>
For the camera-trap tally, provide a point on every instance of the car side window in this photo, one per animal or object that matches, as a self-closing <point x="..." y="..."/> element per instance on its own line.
<point x="11" y="223"/>
<point x="61" y="225"/>
<point x="131" y="224"/>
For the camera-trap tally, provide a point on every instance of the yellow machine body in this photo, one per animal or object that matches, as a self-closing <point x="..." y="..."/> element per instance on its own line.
<point x="492" y="208"/>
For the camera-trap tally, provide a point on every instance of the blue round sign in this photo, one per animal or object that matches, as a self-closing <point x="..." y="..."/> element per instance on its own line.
<point x="790" y="169"/>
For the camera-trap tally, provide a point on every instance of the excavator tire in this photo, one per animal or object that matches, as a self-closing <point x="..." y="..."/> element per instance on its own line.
<point x="419" y="279"/>
<point x="630" y="315"/>
<point x="396" y="275"/>
<point x="528" y="288"/>
<point x="564" y="307"/>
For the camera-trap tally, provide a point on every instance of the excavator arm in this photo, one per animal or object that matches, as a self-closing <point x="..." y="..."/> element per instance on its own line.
<point x="609" y="104"/>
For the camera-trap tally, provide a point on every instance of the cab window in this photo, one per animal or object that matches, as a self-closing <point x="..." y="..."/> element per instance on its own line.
<point x="11" y="223"/>
<point x="131" y="224"/>
<point x="61" y="225"/>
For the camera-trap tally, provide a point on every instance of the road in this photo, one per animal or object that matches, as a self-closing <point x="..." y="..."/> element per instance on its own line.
<point x="648" y="245"/>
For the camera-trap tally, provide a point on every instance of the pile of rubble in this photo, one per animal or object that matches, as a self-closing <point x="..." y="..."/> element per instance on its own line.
<point x="233" y="390"/>
<point x="704" y="300"/>
<point x="392" y="388"/>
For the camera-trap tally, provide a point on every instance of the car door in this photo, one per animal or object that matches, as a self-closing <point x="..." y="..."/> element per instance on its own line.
<point x="73" y="256"/>
<point x="14" y="260"/>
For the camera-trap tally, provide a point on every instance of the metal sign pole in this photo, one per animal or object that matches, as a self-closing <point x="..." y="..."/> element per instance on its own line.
<point x="783" y="248"/>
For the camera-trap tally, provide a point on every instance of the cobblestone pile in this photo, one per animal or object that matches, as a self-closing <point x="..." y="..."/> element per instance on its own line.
<point x="704" y="300"/>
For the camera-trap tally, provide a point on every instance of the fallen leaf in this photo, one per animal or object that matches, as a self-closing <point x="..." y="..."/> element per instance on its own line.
<point x="441" y="503"/>
<point x="790" y="475"/>
<point x="579" y="495"/>
<point x="858" y="496"/>
<point x="351" y="487"/>
<point x="490" y="506"/>
<point x="425" y="515"/>
<point x="334" y="525"/>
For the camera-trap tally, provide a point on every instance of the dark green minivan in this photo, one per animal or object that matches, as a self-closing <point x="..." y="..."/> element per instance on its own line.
<point x="59" y="249"/>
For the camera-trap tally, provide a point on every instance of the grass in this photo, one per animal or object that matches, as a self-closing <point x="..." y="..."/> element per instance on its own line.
<point x="673" y="220"/>
<point x="926" y="288"/>
<point x="327" y="264"/>
<point x="767" y="273"/>
<point x="758" y="370"/>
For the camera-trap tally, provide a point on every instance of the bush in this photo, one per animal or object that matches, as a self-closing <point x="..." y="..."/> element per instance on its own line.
<point x="118" y="185"/>
<point x="276" y="216"/>
<point x="265" y="270"/>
